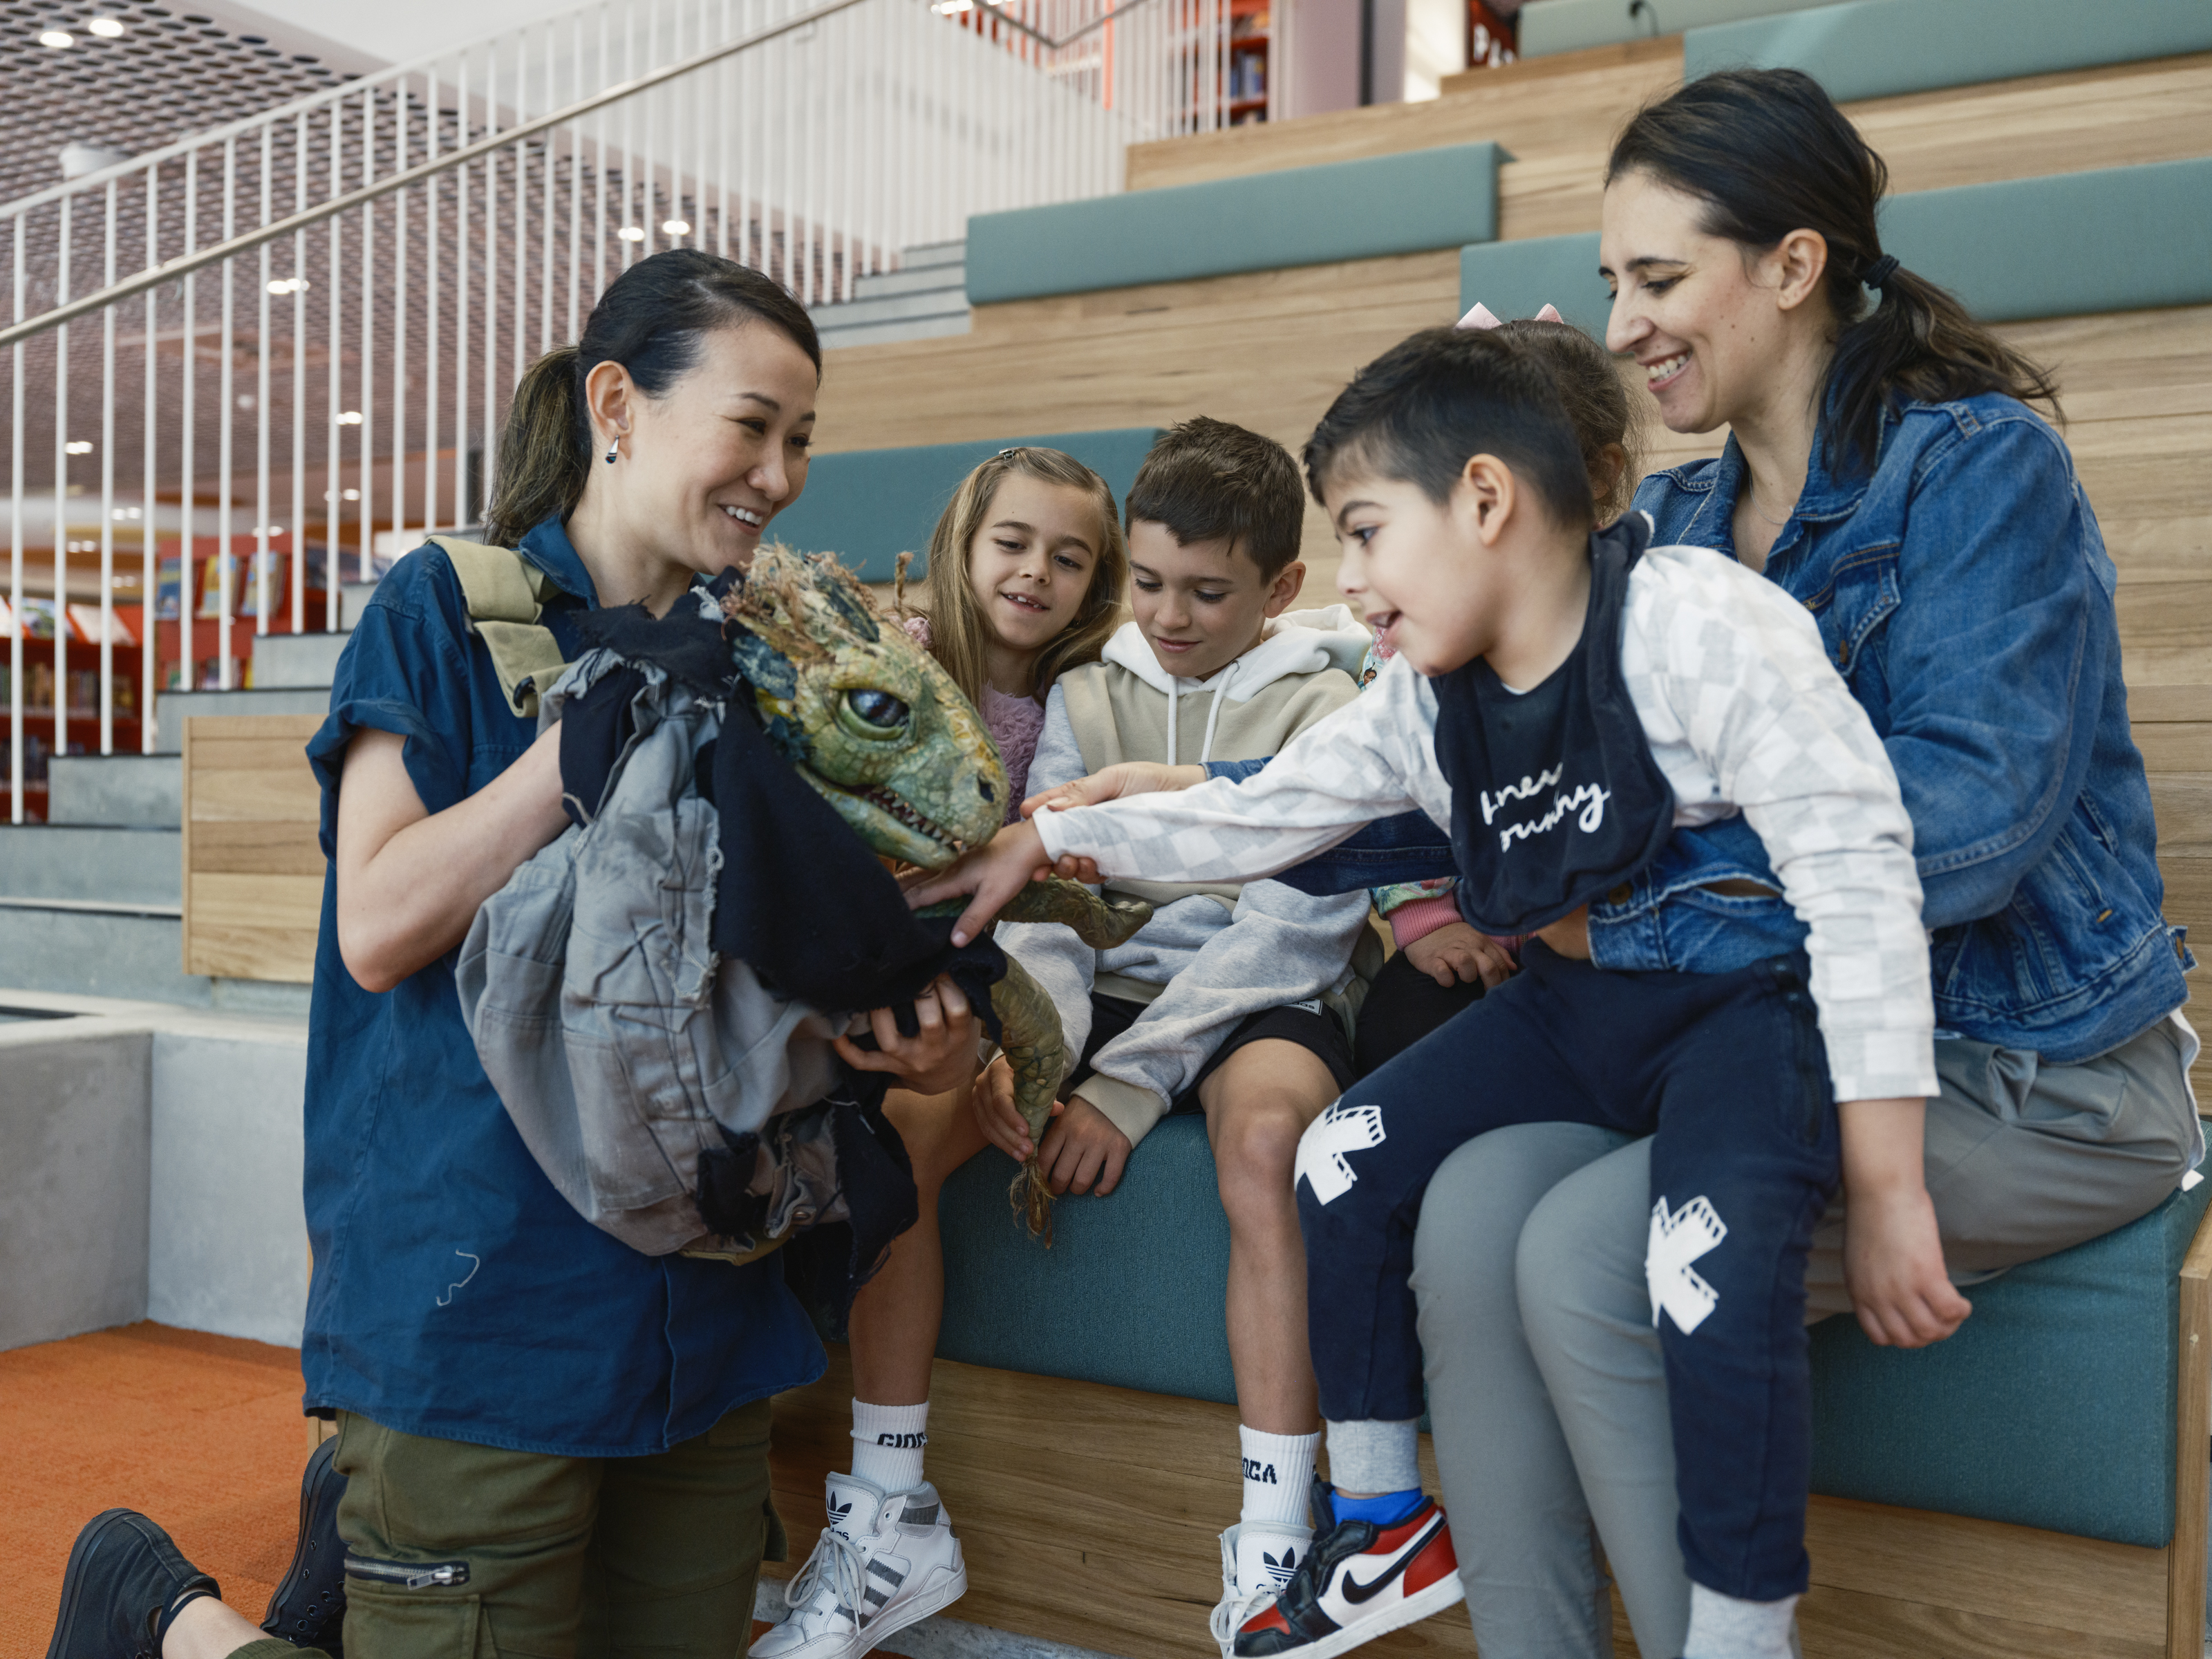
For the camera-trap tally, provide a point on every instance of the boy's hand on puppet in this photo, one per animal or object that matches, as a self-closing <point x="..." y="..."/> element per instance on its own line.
<point x="1083" y="1151"/>
<point x="993" y="873"/>
<point x="1455" y="954"/>
<point x="937" y="1057"/>
<point x="996" y="1114"/>
<point x="1112" y="782"/>
<point x="1893" y="1250"/>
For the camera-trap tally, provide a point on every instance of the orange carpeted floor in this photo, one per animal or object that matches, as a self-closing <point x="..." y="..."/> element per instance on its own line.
<point x="203" y="1434"/>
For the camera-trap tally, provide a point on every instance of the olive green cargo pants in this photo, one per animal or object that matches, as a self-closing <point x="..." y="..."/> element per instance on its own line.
<point x="456" y="1551"/>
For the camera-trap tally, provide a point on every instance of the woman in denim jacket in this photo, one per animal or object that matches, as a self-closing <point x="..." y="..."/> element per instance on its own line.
<point x="1883" y="466"/>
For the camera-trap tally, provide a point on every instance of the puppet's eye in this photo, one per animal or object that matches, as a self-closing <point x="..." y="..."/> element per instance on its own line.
<point x="870" y="714"/>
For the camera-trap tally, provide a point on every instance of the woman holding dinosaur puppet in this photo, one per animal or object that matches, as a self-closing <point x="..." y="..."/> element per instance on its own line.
<point x="551" y="1441"/>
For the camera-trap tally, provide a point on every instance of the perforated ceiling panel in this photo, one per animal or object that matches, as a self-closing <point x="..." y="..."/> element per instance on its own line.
<point x="169" y="73"/>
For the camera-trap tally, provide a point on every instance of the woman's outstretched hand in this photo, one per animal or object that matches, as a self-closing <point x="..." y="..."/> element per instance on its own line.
<point x="994" y="874"/>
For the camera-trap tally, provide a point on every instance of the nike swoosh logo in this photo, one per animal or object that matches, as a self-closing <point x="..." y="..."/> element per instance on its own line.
<point x="1355" y="1592"/>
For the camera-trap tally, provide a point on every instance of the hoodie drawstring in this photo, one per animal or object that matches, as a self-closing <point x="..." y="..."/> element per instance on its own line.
<point x="1213" y="713"/>
<point x="1173" y="683"/>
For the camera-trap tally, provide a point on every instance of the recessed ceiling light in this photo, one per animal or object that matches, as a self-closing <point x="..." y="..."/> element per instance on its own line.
<point x="58" y="38"/>
<point x="676" y="227"/>
<point x="108" y="28"/>
<point x="632" y="233"/>
<point x="352" y="495"/>
<point x="349" y="417"/>
<point x="78" y="446"/>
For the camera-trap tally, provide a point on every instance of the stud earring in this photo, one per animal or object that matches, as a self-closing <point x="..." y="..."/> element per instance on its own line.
<point x="613" y="450"/>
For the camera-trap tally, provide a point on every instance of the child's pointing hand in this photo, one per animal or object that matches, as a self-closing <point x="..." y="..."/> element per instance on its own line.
<point x="994" y="874"/>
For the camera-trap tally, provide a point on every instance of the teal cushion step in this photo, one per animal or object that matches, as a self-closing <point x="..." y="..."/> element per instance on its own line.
<point x="2069" y="245"/>
<point x="1556" y="26"/>
<point x="868" y="506"/>
<point x="1129" y="1294"/>
<point x="2052" y="1407"/>
<point x="1881" y="48"/>
<point x="1406" y="203"/>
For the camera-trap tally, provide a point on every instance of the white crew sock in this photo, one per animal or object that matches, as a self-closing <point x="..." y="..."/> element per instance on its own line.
<point x="888" y="1442"/>
<point x="1278" y="1476"/>
<point x="1375" y="1456"/>
<point x="1722" y="1627"/>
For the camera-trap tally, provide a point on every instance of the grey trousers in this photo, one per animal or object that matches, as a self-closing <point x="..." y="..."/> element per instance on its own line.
<point x="1546" y="1391"/>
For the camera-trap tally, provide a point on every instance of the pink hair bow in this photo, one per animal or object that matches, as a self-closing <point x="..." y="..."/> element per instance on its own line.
<point x="1482" y="317"/>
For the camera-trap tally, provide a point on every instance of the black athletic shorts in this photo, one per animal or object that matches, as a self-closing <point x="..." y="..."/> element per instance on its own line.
<point x="1312" y="1028"/>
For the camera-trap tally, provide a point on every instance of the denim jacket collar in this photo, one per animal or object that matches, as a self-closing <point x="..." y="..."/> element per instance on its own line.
<point x="1826" y="497"/>
<point x="549" y="548"/>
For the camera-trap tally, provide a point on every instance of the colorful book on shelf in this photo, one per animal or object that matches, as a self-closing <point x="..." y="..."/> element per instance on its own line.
<point x="38" y="620"/>
<point x="85" y="625"/>
<point x="245" y="583"/>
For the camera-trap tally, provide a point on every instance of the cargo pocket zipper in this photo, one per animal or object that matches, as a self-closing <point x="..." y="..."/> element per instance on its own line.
<point x="410" y="1575"/>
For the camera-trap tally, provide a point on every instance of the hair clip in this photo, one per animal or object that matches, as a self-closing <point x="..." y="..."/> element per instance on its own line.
<point x="1483" y="317"/>
<point x="1009" y="454"/>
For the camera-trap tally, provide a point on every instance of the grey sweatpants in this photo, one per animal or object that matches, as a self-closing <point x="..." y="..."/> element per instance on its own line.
<point x="1546" y="1391"/>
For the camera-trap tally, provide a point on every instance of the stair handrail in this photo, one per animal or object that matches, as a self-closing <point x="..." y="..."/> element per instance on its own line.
<point x="170" y="270"/>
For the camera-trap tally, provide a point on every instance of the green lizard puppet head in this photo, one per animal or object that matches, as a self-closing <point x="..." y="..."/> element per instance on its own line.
<point x="864" y="714"/>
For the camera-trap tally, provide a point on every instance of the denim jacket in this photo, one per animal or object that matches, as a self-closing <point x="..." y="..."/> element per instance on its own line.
<point x="1964" y="592"/>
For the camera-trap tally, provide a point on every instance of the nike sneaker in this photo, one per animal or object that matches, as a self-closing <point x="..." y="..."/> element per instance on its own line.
<point x="885" y="1560"/>
<point x="1257" y="1563"/>
<point x="1358" y="1581"/>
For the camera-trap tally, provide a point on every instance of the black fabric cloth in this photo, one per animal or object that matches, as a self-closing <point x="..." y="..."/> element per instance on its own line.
<point x="803" y="903"/>
<point x="1556" y="798"/>
<point x="1403" y="1005"/>
<point x="1312" y="1029"/>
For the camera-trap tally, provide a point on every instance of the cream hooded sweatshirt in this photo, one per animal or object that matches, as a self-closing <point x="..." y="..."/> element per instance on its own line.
<point x="1214" y="952"/>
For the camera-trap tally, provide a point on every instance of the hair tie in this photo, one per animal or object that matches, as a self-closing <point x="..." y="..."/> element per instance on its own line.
<point x="1879" y="273"/>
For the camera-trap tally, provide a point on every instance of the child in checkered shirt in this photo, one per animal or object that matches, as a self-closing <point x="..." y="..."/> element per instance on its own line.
<point x="1576" y="707"/>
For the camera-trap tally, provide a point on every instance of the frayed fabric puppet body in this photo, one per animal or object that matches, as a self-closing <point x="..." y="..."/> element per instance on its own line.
<point x="886" y="746"/>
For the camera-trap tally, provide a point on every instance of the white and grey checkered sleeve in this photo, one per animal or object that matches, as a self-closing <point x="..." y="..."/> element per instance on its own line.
<point x="1737" y="667"/>
<point x="1373" y="757"/>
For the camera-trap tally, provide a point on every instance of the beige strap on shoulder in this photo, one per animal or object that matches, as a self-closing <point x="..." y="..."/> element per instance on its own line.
<point x="506" y="594"/>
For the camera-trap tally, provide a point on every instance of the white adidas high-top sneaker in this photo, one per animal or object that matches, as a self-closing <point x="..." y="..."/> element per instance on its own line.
<point x="1257" y="1562"/>
<point x="885" y="1560"/>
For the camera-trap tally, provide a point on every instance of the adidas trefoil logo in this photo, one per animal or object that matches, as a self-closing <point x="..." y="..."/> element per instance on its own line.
<point x="1281" y="1571"/>
<point x="839" y="1514"/>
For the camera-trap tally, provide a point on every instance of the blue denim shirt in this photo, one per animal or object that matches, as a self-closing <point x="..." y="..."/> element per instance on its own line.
<point x="1964" y="592"/>
<point x="456" y="1293"/>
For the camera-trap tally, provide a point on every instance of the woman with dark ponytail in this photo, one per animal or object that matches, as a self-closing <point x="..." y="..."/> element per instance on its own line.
<point x="550" y="1442"/>
<point x="1884" y="465"/>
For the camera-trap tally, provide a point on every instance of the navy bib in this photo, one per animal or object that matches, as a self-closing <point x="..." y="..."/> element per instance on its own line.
<point x="1555" y="797"/>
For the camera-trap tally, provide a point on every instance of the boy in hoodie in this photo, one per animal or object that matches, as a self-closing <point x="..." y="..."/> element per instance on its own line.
<point x="1216" y="1005"/>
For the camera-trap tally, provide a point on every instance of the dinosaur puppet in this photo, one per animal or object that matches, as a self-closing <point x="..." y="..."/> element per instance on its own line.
<point x="872" y="722"/>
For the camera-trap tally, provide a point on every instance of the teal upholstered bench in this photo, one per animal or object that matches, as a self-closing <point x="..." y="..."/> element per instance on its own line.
<point x="2133" y="238"/>
<point x="1882" y="48"/>
<point x="2054" y="1407"/>
<point x="869" y="506"/>
<point x="1412" y="203"/>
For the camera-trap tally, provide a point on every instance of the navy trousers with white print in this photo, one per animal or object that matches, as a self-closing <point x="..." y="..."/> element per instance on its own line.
<point x="1729" y="1075"/>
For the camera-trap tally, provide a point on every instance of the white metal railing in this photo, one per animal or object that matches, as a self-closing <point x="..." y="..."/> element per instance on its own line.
<point x="239" y="365"/>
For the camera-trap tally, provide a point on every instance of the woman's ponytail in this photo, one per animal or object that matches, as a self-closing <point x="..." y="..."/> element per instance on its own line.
<point x="651" y="320"/>
<point x="1768" y="153"/>
<point x="1919" y="342"/>
<point x="545" y="451"/>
